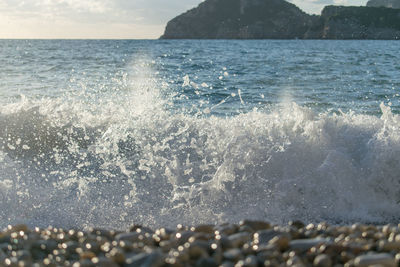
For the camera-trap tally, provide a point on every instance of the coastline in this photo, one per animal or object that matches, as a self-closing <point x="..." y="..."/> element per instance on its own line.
<point x="250" y="243"/>
<point x="278" y="19"/>
<point x="305" y="130"/>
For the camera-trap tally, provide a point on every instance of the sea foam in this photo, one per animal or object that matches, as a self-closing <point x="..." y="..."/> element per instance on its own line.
<point x="111" y="160"/>
<point x="67" y="163"/>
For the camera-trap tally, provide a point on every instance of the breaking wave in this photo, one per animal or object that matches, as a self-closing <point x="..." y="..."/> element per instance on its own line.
<point x="130" y="158"/>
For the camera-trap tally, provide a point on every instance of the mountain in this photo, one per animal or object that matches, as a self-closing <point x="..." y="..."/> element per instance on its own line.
<point x="278" y="19"/>
<point x="384" y="3"/>
<point x="339" y="22"/>
<point x="240" y="19"/>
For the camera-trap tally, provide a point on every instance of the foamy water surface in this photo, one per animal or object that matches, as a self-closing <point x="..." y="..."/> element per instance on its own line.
<point x="111" y="133"/>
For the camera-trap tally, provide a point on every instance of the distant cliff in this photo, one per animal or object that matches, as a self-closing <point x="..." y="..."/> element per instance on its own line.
<point x="384" y="3"/>
<point x="240" y="19"/>
<point x="338" y="22"/>
<point x="278" y="19"/>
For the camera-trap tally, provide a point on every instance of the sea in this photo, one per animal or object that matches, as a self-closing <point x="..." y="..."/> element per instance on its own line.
<point x="111" y="133"/>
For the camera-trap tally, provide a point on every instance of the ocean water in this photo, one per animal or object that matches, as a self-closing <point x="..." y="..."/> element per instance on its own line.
<point x="98" y="133"/>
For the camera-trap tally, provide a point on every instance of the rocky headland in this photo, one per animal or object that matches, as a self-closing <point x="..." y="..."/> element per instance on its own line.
<point x="250" y="243"/>
<point x="278" y="19"/>
<point x="339" y="22"/>
<point x="384" y="3"/>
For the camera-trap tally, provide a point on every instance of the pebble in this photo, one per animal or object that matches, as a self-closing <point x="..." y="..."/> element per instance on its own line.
<point x="136" y="237"/>
<point x="322" y="261"/>
<point x="263" y="237"/>
<point x="233" y="255"/>
<point x="153" y="259"/>
<point x="382" y="259"/>
<point x="209" y="229"/>
<point x="248" y="244"/>
<point x="297" y="224"/>
<point x="227" y="264"/>
<point x="206" y="262"/>
<point x="198" y="250"/>
<point x="227" y="229"/>
<point x="256" y="225"/>
<point x="117" y="255"/>
<point x="281" y="242"/>
<point x="141" y="229"/>
<point x="250" y="261"/>
<point x="303" y="245"/>
<point x="103" y="262"/>
<point x="239" y="239"/>
<point x="389" y="246"/>
<point x="3" y="256"/>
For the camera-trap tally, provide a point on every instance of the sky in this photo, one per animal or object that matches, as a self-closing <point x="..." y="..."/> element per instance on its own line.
<point x="106" y="19"/>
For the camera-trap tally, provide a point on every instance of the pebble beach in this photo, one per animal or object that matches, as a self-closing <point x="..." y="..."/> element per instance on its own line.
<point x="249" y="243"/>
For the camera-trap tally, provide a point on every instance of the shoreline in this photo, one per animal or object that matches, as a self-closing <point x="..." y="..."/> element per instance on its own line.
<point x="250" y="243"/>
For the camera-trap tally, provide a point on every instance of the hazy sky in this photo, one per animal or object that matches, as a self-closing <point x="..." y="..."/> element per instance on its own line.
<point x="144" y="19"/>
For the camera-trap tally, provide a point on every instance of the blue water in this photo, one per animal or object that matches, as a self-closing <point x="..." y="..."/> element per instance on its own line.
<point x="110" y="133"/>
<point x="322" y="75"/>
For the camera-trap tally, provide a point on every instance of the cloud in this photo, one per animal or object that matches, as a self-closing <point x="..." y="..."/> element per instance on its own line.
<point x="52" y="9"/>
<point x="114" y="11"/>
<point x="88" y="18"/>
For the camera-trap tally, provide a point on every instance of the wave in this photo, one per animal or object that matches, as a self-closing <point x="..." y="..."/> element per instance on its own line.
<point x="110" y="160"/>
<point x="67" y="164"/>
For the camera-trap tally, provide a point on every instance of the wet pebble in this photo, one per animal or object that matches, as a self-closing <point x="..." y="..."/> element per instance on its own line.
<point x="322" y="260"/>
<point x="153" y="259"/>
<point x="206" y="262"/>
<point x="303" y="245"/>
<point x="233" y="255"/>
<point x="382" y="259"/>
<point x="239" y="239"/>
<point x="250" y="243"/>
<point x="256" y="225"/>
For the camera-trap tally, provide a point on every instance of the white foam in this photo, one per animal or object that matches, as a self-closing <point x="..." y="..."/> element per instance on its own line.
<point x="127" y="158"/>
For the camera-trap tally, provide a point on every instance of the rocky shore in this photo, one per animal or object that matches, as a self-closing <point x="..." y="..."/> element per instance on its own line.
<point x="251" y="243"/>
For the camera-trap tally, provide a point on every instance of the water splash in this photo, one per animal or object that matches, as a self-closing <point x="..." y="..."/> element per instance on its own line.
<point x="129" y="157"/>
